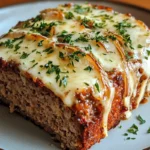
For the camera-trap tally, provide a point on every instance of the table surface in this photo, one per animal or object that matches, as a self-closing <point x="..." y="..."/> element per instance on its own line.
<point x="140" y="3"/>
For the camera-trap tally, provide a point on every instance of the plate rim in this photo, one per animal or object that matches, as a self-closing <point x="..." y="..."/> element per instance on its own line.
<point x="108" y="1"/>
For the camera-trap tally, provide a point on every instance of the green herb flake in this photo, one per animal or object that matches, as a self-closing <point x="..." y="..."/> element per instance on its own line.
<point x="34" y="65"/>
<point x="63" y="81"/>
<point x="99" y="25"/>
<point x="48" y="50"/>
<point x="82" y="38"/>
<point x="120" y="127"/>
<point x="26" y="24"/>
<point x="64" y="37"/>
<point x="69" y="15"/>
<point x="40" y="43"/>
<point x="8" y="43"/>
<point x="33" y="61"/>
<point x="75" y="56"/>
<point x="86" y="83"/>
<point x="24" y="55"/>
<point x="140" y="119"/>
<point x="10" y="30"/>
<point x="133" y="129"/>
<point x="146" y="57"/>
<point x="125" y="134"/>
<point x="100" y="38"/>
<point x="86" y="22"/>
<point x="112" y="37"/>
<point x="17" y="46"/>
<point x="97" y="87"/>
<point x="37" y="18"/>
<point x="128" y="138"/>
<point x="51" y="68"/>
<point x="19" y="38"/>
<point x="88" y="48"/>
<point x="61" y="55"/>
<point x="44" y="28"/>
<point x="148" y="52"/>
<point x="148" y="131"/>
<point x="81" y="10"/>
<point x="139" y="46"/>
<point x="89" y="68"/>
<point x="121" y="28"/>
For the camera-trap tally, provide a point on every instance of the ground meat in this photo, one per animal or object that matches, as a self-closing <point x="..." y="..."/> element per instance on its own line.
<point x="38" y="103"/>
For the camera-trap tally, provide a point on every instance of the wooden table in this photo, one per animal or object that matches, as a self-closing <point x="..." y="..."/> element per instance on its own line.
<point x="140" y="3"/>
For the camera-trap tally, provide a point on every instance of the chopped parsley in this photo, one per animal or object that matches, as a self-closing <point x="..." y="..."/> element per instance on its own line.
<point x="37" y="18"/>
<point x="24" y="55"/>
<point x="69" y="15"/>
<point x="64" y="37"/>
<point x="140" y="119"/>
<point x="48" y="50"/>
<point x="88" y="48"/>
<point x="34" y="65"/>
<point x="120" y="127"/>
<point x="63" y="81"/>
<point x="129" y="138"/>
<point x="51" y="68"/>
<point x="133" y="129"/>
<point x="82" y="38"/>
<point x="125" y="134"/>
<point x="139" y="46"/>
<point x="91" y="24"/>
<point x="26" y="24"/>
<point x="89" y="68"/>
<point x="148" y="131"/>
<point x="33" y="60"/>
<point x="148" y="52"/>
<point x="86" y="83"/>
<point x="81" y="10"/>
<point x="121" y="28"/>
<point x="10" y="30"/>
<point x="97" y="87"/>
<point x="43" y="28"/>
<point x="19" y="38"/>
<point x="99" y="25"/>
<point x="40" y="43"/>
<point x="75" y="56"/>
<point x="86" y="22"/>
<point x="112" y="37"/>
<point x="8" y="43"/>
<point x="17" y="46"/>
<point x="99" y="37"/>
<point x="105" y="17"/>
<point x="61" y="55"/>
<point x="146" y="57"/>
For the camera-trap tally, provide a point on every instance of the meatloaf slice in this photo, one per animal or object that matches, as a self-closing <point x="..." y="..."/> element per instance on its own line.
<point x="45" y="109"/>
<point x="76" y="71"/>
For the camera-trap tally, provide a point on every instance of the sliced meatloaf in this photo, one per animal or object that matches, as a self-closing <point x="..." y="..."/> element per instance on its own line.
<point x="76" y="71"/>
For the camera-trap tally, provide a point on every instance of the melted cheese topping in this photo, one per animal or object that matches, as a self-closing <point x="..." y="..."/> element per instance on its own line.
<point x="74" y="47"/>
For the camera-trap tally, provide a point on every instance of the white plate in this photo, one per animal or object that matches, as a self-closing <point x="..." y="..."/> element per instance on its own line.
<point x="16" y="133"/>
